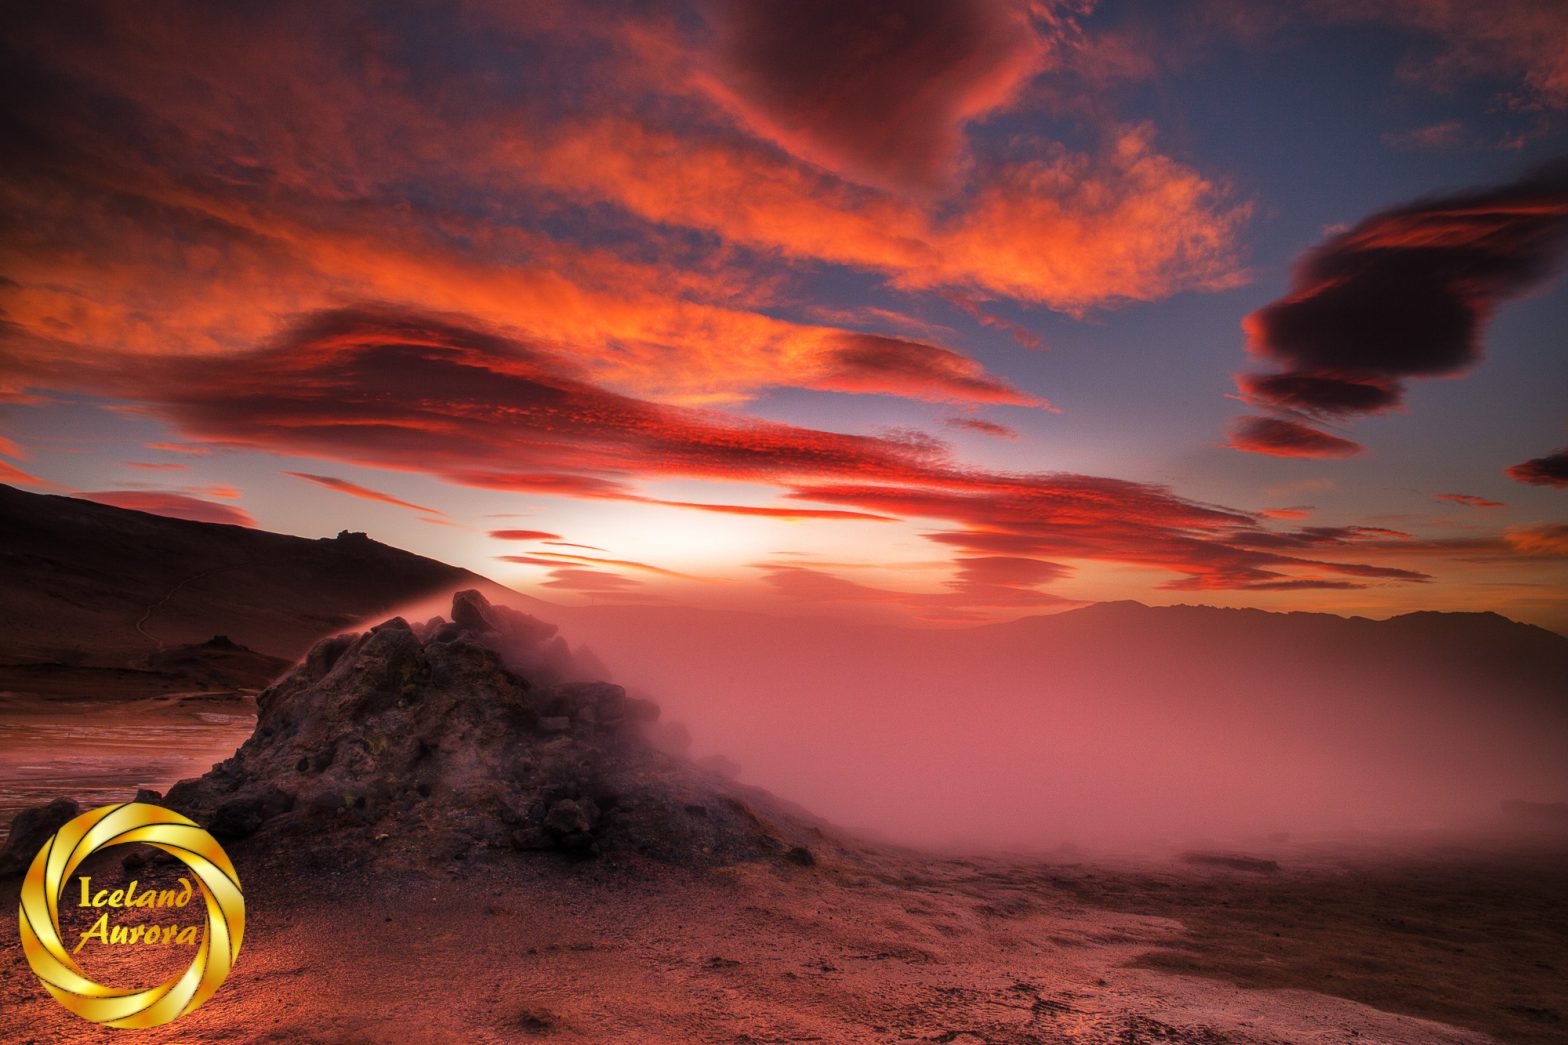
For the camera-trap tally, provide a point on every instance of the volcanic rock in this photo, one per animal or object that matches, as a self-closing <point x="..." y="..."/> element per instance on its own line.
<point x="30" y="830"/>
<point x="439" y="738"/>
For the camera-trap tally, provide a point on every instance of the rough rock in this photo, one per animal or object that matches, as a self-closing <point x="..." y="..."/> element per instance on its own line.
<point x="30" y="829"/>
<point x="439" y="738"/>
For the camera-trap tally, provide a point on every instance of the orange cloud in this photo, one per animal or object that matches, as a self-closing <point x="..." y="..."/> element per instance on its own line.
<point x="1073" y="231"/>
<point x="208" y="210"/>
<point x="1547" y="540"/>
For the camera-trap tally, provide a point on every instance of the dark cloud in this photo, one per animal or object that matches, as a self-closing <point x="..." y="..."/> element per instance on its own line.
<point x="1282" y="438"/>
<point x="878" y="90"/>
<point x="1323" y="396"/>
<point x="1404" y="294"/>
<point x="1551" y="470"/>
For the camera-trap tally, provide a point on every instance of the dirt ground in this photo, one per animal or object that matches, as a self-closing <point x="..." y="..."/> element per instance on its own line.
<point x="884" y="946"/>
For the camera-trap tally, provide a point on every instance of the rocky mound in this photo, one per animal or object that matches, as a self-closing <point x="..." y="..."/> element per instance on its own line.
<point x="449" y="738"/>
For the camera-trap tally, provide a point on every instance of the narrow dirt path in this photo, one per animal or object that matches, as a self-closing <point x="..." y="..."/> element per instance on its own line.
<point x="141" y="625"/>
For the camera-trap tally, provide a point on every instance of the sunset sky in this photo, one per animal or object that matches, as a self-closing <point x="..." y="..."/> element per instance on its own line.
<point x="914" y="311"/>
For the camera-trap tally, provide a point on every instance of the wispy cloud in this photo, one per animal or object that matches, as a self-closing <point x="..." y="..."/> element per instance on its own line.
<point x="364" y="493"/>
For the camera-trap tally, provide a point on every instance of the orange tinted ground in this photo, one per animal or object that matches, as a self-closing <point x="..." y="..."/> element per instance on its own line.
<point x="887" y="947"/>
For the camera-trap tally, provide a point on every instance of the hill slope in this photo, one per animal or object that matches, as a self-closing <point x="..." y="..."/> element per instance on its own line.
<point x="89" y="592"/>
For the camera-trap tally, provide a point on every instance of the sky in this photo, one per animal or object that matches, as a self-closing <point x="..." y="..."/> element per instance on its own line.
<point x="926" y="311"/>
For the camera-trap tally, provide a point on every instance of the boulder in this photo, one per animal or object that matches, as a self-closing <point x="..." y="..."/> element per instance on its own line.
<point x="473" y="611"/>
<point x="30" y="829"/>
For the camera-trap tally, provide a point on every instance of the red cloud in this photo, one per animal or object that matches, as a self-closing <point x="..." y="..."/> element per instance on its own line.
<point x="422" y="393"/>
<point x="150" y="466"/>
<point x="769" y="512"/>
<point x="1551" y="470"/>
<point x="1299" y="512"/>
<point x="173" y="505"/>
<point x="878" y="91"/>
<point x="524" y="535"/>
<point x="590" y="581"/>
<point x="626" y="564"/>
<point x="976" y="424"/>
<point x="355" y="490"/>
<point x="1019" y="333"/>
<point x="1470" y="499"/>
<point x="12" y="474"/>
<point x="872" y="363"/>
<point x="1282" y="438"/>
<point x="177" y="448"/>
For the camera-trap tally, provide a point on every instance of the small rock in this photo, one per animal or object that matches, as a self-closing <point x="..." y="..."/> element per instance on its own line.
<point x="570" y="823"/>
<point x="802" y="856"/>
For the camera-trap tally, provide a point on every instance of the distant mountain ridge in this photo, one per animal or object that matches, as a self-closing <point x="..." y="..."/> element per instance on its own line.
<point x="88" y="585"/>
<point x="1113" y="717"/>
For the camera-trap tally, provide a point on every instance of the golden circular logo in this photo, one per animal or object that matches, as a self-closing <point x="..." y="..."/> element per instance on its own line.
<point x="176" y="835"/>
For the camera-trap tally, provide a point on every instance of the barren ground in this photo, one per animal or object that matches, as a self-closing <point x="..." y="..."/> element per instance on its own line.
<point x="880" y="947"/>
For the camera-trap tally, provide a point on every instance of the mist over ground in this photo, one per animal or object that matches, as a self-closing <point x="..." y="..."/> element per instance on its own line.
<point x="1113" y="726"/>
